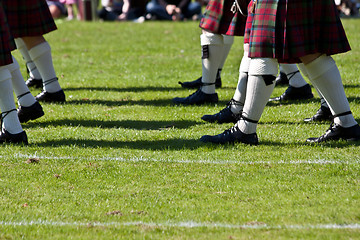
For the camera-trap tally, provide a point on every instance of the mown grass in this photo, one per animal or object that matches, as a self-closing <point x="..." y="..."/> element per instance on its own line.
<point x="120" y="161"/>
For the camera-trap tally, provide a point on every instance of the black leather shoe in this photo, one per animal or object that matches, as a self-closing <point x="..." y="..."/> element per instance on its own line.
<point x="30" y="113"/>
<point x="6" y="137"/>
<point x="197" y="83"/>
<point x="224" y="116"/>
<point x="231" y="135"/>
<point x="44" y="96"/>
<point x="293" y="93"/>
<point x="198" y="98"/>
<point x="323" y="114"/>
<point x="33" y="82"/>
<point x="337" y="132"/>
<point x="281" y="79"/>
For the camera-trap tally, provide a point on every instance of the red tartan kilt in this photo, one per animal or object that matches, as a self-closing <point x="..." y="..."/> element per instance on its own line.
<point x="6" y="40"/>
<point x="248" y="25"/>
<point x="28" y="17"/>
<point x="311" y="27"/>
<point x="219" y="19"/>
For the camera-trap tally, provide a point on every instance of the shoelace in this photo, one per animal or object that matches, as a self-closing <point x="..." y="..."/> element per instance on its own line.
<point x="234" y="102"/>
<point x="194" y="93"/>
<point x="224" y="110"/>
<point x="228" y="106"/>
<point x="233" y="129"/>
<point x="332" y="128"/>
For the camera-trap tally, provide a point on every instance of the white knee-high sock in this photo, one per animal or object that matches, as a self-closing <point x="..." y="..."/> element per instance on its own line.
<point x="33" y="71"/>
<point x="228" y="42"/>
<point x="22" y="92"/>
<point x="325" y="76"/>
<point x="261" y="83"/>
<point x="41" y="56"/>
<point x="212" y="50"/>
<point x="10" y="118"/>
<point x="240" y="92"/>
<point x="322" y="100"/>
<point x="305" y="73"/>
<point x="293" y="74"/>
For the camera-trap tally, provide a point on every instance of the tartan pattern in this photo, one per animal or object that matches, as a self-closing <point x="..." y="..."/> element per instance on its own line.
<point x="219" y="19"/>
<point x="6" y="41"/>
<point x="248" y="24"/>
<point x="28" y="17"/>
<point x="287" y="30"/>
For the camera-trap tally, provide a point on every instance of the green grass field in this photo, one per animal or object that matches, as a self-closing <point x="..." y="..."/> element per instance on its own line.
<point x="119" y="161"/>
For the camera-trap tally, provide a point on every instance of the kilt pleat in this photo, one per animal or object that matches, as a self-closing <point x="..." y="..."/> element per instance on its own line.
<point x="218" y="18"/>
<point x="28" y="17"/>
<point x="6" y="41"/>
<point x="287" y="30"/>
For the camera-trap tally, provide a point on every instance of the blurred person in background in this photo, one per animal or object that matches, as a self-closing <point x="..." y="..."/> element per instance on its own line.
<point x="348" y="7"/>
<point x="57" y="8"/>
<point x="173" y="10"/>
<point x="70" y="5"/>
<point x="123" y="10"/>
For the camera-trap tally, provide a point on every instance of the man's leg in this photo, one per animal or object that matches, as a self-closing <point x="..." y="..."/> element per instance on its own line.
<point x="261" y="82"/>
<point x="11" y="130"/>
<point x="34" y="75"/>
<point x="212" y="53"/>
<point x="323" y="113"/>
<point x="298" y="88"/>
<point x="29" y="108"/>
<point x="40" y="52"/>
<point x="228" y="42"/>
<point x="325" y="76"/>
<point x="232" y="112"/>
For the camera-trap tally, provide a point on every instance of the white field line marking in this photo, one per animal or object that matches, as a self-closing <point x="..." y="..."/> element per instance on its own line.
<point x="179" y="224"/>
<point x="221" y="162"/>
<point x="142" y="159"/>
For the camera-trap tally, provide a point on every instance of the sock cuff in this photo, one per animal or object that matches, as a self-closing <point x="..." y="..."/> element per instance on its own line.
<point x="263" y="66"/>
<point x="319" y="66"/>
<point x="288" y="68"/>
<point x="14" y="65"/>
<point x="4" y="73"/>
<point x="39" y="50"/>
<point x="20" y="43"/>
<point x="303" y="70"/>
<point x="245" y="63"/>
<point x="208" y="38"/>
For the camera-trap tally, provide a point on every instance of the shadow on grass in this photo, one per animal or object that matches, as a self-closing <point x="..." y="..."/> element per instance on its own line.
<point x="178" y="144"/>
<point x="129" y="124"/>
<point x="170" y="144"/>
<point x="124" y="102"/>
<point x="332" y="144"/>
<point x="351" y="85"/>
<point x="292" y="102"/>
<point x="124" y="89"/>
<point x="135" y="89"/>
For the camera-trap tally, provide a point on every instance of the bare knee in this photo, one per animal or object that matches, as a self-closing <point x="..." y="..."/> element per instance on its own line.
<point x="33" y="41"/>
<point x="309" y="58"/>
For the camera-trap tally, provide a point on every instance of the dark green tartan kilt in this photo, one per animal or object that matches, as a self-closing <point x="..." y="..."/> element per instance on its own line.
<point x="6" y="41"/>
<point x="28" y="17"/>
<point x="219" y="19"/>
<point x="289" y="29"/>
